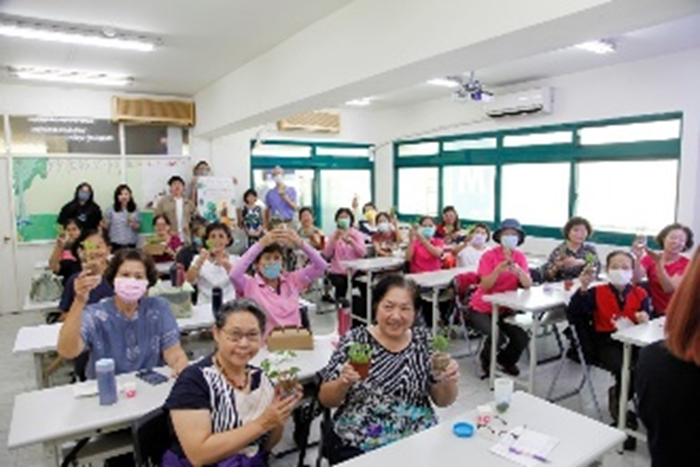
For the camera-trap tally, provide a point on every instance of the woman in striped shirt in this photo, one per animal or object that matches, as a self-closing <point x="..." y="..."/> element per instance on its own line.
<point x="123" y="220"/>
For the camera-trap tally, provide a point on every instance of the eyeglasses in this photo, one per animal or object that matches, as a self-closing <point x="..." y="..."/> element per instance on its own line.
<point x="237" y="336"/>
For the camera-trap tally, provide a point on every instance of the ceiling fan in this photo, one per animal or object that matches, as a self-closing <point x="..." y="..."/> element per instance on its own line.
<point x="469" y="90"/>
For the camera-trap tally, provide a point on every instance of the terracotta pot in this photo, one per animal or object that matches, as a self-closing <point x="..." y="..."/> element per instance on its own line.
<point x="361" y="368"/>
<point x="440" y="361"/>
<point x="287" y="385"/>
<point x="568" y="285"/>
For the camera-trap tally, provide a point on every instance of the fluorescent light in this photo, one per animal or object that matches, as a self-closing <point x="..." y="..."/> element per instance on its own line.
<point x="73" y="35"/>
<point x="363" y="102"/>
<point x="600" y="47"/>
<point x="444" y="82"/>
<point x="69" y="76"/>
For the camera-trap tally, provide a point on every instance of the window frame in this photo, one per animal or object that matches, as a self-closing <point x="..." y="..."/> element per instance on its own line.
<point x="572" y="153"/>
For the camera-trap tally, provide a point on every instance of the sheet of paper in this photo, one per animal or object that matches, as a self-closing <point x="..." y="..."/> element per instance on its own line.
<point x="528" y="443"/>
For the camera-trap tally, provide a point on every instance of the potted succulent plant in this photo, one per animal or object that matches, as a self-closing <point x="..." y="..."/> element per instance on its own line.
<point x="285" y="379"/>
<point x="360" y="356"/>
<point x="439" y="358"/>
<point x="87" y="258"/>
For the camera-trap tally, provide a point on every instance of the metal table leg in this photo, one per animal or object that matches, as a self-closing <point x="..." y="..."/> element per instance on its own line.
<point x="494" y="344"/>
<point x="624" y="386"/>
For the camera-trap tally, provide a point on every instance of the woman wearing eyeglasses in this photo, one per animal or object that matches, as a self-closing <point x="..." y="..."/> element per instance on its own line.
<point x="223" y="410"/>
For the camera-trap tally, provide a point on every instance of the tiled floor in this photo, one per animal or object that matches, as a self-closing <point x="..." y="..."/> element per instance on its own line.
<point x="16" y="374"/>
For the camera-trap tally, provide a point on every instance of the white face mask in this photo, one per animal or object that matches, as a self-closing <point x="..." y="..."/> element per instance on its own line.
<point x="510" y="241"/>
<point x="620" y="277"/>
<point x="478" y="239"/>
<point x="384" y="227"/>
<point x="278" y="178"/>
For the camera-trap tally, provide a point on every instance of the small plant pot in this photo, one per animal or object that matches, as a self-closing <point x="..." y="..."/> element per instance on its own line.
<point x="362" y="369"/>
<point x="439" y="361"/>
<point x="568" y="285"/>
<point x="287" y="385"/>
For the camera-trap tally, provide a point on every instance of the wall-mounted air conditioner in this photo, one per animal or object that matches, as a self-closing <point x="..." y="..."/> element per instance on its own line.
<point x="519" y="103"/>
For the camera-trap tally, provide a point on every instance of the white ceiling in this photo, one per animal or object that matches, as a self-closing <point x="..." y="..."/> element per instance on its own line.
<point x="662" y="39"/>
<point x="202" y="39"/>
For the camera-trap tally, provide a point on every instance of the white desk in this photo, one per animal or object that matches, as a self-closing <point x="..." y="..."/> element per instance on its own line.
<point x="369" y="265"/>
<point x="54" y="416"/>
<point x="535" y="300"/>
<point x="29" y="305"/>
<point x="640" y="335"/>
<point x="582" y="440"/>
<point x="164" y="268"/>
<point x="437" y="280"/>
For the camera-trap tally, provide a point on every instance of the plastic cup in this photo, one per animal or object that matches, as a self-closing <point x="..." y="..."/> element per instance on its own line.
<point x="484" y="414"/>
<point x="502" y="392"/>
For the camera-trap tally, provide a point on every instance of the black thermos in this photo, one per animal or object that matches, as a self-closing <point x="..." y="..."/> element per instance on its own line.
<point x="216" y="300"/>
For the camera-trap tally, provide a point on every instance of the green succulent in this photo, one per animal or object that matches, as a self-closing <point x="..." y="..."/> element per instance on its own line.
<point x="440" y="342"/>
<point x="89" y="246"/>
<point x="590" y="259"/>
<point x="360" y="353"/>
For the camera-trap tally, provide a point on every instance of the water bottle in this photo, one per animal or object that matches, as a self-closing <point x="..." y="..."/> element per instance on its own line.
<point x="217" y="296"/>
<point x="173" y="275"/>
<point x="106" y="381"/>
<point x="180" y="275"/>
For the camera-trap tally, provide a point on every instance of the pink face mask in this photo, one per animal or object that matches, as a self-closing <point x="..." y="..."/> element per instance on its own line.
<point x="130" y="290"/>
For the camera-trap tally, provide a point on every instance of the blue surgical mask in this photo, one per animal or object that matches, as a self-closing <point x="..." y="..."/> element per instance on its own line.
<point x="197" y="242"/>
<point x="84" y="195"/>
<point x="272" y="270"/>
<point x="510" y="241"/>
<point x="427" y="232"/>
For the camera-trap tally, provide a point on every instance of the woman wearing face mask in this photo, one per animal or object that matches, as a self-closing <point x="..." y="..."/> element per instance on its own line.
<point x="388" y="237"/>
<point x="424" y="250"/>
<point x="345" y="244"/>
<point x="396" y="398"/>
<point x="449" y="230"/>
<point x="82" y="208"/>
<point x="211" y="267"/>
<point x="501" y="269"/>
<point x="275" y="290"/>
<point x="123" y="220"/>
<point x="136" y="331"/>
<point x="368" y="224"/>
<point x="469" y="252"/>
<point x="664" y="270"/>
<point x="567" y="261"/>
<point x="223" y="410"/>
<point x="601" y="310"/>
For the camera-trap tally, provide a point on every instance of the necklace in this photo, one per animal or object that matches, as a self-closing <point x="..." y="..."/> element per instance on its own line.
<point x="230" y="380"/>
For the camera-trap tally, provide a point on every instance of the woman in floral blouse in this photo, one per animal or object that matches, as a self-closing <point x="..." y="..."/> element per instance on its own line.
<point x="396" y="398"/>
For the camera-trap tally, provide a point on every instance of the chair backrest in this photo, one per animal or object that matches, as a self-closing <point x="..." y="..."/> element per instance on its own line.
<point x="151" y="437"/>
<point x="464" y="285"/>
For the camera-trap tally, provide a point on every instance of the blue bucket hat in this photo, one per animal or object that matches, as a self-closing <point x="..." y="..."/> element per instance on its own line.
<point x="509" y="224"/>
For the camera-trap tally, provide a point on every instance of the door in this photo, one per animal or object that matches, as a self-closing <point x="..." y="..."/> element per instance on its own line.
<point x="338" y="189"/>
<point x="8" y="285"/>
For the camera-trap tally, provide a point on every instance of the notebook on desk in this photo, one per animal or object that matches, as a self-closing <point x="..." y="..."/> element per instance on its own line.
<point x="525" y="447"/>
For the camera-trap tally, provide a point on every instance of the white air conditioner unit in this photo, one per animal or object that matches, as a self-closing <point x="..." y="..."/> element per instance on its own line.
<point x="520" y="103"/>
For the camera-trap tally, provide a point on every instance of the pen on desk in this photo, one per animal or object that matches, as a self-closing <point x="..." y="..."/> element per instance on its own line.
<point x="519" y="452"/>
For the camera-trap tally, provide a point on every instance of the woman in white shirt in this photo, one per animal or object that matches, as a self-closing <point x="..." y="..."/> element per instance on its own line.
<point x="210" y="268"/>
<point x="468" y="253"/>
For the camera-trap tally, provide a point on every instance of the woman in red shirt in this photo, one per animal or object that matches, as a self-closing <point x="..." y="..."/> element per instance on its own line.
<point x="424" y="252"/>
<point x="664" y="270"/>
<point x="449" y="230"/>
<point x="501" y="269"/>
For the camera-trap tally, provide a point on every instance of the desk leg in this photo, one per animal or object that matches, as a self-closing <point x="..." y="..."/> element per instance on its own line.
<point x="624" y="386"/>
<point x="494" y="344"/>
<point x="348" y="294"/>
<point x="533" y="355"/>
<point x="436" y="310"/>
<point x="41" y="382"/>
<point x="51" y="454"/>
<point x="369" y="298"/>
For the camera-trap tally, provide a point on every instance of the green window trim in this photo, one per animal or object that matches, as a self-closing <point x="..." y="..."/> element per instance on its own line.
<point x="573" y="153"/>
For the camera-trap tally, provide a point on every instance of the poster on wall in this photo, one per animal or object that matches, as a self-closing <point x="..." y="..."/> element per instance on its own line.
<point x="216" y="199"/>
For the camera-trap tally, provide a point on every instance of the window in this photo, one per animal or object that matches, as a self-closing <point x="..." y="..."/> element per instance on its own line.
<point x="3" y="143"/>
<point x="155" y="139"/>
<point x="536" y="194"/>
<point x="301" y="180"/>
<point x="538" y="139"/>
<point x="631" y="132"/>
<point x="64" y="135"/>
<point x="342" y="152"/>
<point x="430" y="148"/>
<point x="460" y="145"/>
<point x="470" y="189"/>
<point x="338" y="188"/>
<point x="281" y="150"/>
<point x="418" y="190"/>
<point x="628" y="196"/>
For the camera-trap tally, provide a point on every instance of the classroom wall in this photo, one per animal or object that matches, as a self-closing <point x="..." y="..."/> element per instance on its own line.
<point x="663" y="84"/>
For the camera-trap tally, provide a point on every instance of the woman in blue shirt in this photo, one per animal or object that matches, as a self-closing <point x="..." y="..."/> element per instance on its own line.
<point x="136" y="331"/>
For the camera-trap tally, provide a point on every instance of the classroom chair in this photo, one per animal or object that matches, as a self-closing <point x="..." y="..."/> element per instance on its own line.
<point x="151" y="438"/>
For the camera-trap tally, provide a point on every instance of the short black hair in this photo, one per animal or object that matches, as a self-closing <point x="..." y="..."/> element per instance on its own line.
<point x="240" y="305"/>
<point x="274" y="248"/>
<point x="306" y="209"/>
<point x="382" y="214"/>
<point x="70" y="221"/>
<point x="249" y="192"/>
<point x="573" y="222"/>
<point x="84" y="235"/>
<point x="661" y="236"/>
<point x="219" y="226"/>
<point x="394" y="281"/>
<point x="345" y="211"/>
<point x="424" y="218"/>
<point x="175" y="178"/>
<point x="481" y="225"/>
<point x="368" y="204"/>
<point x="199" y="164"/>
<point x="131" y="254"/>
<point x="160" y="216"/>
<point x="614" y="253"/>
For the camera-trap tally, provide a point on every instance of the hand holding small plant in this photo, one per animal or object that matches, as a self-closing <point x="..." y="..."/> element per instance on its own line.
<point x="285" y="379"/>
<point x="360" y="356"/>
<point x="440" y="359"/>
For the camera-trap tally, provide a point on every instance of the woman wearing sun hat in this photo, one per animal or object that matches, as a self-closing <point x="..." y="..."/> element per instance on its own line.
<point x="501" y="269"/>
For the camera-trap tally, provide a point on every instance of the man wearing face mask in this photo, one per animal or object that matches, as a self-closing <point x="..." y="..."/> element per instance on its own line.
<point x="136" y="331"/>
<point x="501" y="269"/>
<point x="281" y="201"/>
<point x="601" y="310"/>
<point x="82" y="208"/>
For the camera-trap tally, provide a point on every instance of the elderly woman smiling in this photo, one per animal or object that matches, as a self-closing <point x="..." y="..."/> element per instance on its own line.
<point x="224" y="411"/>
<point x="395" y="399"/>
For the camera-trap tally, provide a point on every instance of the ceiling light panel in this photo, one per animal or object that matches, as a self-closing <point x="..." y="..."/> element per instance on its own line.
<point x="600" y="47"/>
<point x="363" y="102"/>
<point x="443" y="82"/>
<point x="70" y="76"/>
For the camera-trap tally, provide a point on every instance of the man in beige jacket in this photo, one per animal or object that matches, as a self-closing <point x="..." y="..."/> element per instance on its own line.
<point x="178" y="209"/>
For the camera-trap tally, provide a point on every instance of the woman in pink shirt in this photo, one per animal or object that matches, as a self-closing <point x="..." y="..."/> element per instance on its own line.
<point x="345" y="244"/>
<point x="501" y="269"/>
<point x="424" y="252"/>
<point x="274" y="290"/>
